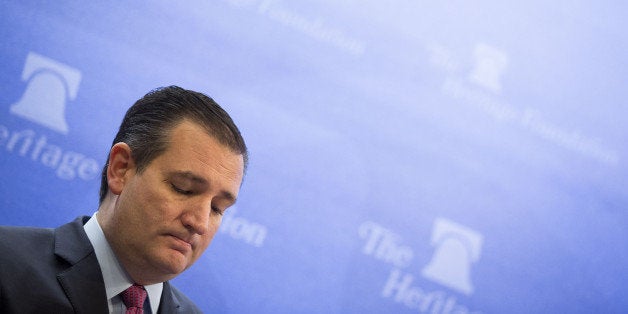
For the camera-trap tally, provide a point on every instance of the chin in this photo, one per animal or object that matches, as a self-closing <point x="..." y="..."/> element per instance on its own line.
<point x="174" y="265"/>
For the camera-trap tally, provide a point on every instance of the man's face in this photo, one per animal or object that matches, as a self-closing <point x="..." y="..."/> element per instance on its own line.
<point x="166" y="216"/>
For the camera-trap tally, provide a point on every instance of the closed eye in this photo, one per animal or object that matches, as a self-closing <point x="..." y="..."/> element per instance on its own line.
<point x="179" y="190"/>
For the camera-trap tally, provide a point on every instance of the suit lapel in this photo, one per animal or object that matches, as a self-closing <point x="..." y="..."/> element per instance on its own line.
<point x="82" y="282"/>
<point x="169" y="302"/>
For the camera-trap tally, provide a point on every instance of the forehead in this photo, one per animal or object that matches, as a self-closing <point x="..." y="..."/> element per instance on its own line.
<point x="191" y="149"/>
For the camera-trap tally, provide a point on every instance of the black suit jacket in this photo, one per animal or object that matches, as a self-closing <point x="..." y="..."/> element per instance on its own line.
<point x="56" y="271"/>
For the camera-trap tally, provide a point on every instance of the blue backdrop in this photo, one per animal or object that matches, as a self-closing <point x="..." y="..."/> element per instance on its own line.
<point x="406" y="157"/>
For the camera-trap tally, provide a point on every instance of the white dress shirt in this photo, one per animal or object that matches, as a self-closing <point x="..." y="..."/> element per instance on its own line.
<point x="115" y="277"/>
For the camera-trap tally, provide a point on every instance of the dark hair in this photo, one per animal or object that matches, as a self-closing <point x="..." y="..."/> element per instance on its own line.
<point x="147" y="124"/>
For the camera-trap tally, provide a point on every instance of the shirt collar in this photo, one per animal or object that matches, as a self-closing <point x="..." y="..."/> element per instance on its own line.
<point x="115" y="277"/>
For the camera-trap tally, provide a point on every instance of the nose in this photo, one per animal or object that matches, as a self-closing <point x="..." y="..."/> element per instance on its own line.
<point x="197" y="218"/>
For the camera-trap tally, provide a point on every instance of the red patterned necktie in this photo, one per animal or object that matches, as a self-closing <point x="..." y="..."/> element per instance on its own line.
<point x="134" y="298"/>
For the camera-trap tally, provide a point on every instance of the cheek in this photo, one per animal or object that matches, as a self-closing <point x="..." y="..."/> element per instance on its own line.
<point x="156" y="204"/>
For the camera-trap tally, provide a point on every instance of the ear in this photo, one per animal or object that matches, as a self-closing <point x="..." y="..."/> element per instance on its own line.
<point x="121" y="166"/>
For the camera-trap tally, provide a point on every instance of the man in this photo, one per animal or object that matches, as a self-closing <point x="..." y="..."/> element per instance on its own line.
<point x="175" y="166"/>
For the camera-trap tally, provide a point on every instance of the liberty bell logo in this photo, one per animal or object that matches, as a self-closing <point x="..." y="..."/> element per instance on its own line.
<point x="457" y="247"/>
<point x="50" y="85"/>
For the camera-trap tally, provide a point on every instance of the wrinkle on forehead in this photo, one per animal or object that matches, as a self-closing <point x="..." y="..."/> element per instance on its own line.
<point x="189" y="143"/>
<point x="221" y="159"/>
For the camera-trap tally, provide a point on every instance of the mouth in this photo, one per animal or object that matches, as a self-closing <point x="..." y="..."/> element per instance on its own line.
<point x="181" y="244"/>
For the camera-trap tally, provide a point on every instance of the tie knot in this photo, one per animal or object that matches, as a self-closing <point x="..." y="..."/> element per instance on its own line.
<point x="133" y="298"/>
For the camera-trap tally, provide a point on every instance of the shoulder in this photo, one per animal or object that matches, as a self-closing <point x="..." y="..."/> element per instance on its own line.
<point x="22" y="246"/>
<point x="25" y="239"/>
<point x="25" y="231"/>
<point x="32" y="241"/>
<point x="31" y="253"/>
<point x="25" y="253"/>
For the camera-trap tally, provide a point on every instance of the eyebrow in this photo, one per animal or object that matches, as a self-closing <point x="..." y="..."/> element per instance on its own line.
<point x="188" y="175"/>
